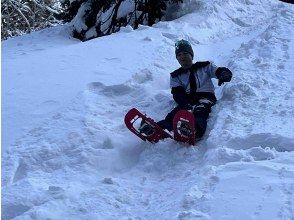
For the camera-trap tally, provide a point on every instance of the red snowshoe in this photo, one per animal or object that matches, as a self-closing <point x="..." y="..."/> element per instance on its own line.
<point x="146" y="128"/>
<point x="184" y="127"/>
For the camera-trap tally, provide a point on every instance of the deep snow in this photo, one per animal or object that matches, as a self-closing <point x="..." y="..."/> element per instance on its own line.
<point x="66" y="153"/>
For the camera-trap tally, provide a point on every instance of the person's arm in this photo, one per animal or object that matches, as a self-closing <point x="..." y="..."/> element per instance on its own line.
<point x="180" y="97"/>
<point x="179" y="94"/>
<point x="223" y="74"/>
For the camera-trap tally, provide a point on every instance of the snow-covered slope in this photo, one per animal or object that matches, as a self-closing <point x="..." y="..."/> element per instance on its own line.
<point x="66" y="153"/>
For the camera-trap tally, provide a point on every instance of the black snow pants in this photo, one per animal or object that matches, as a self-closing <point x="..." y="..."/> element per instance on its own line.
<point x="201" y="111"/>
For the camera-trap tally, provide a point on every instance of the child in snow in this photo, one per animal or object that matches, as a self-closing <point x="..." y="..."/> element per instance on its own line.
<point x="192" y="88"/>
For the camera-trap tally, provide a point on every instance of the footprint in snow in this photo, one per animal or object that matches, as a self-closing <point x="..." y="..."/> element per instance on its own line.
<point x="21" y="171"/>
<point x="264" y="140"/>
<point x="147" y="39"/>
<point x="192" y="40"/>
<point x="192" y="214"/>
<point x="116" y="90"/>
<point x="112" y="60"/>
<point x="170" y="36"/>
<point x="95" y="86"/>
<point x="46" y="107"/>
<point x="109" y="91"/>
<point x="142" y="77"/>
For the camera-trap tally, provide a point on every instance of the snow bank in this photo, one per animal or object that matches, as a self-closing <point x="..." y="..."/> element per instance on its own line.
<point x="67" y="154"/>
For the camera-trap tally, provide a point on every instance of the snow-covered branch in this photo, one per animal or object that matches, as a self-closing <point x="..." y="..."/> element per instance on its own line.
<point x="24" y="16"/>
<point x="107" y="16"/>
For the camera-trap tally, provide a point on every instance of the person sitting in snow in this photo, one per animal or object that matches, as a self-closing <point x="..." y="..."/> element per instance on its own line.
<point x="192" y="88"/>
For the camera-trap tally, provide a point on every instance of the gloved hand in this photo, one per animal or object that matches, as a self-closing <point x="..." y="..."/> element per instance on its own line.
<point x="188" y="107"/>
<point x="224" y="76"/>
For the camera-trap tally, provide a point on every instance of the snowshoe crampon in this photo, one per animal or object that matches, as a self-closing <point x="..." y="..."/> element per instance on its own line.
<point x="148" y="130"/>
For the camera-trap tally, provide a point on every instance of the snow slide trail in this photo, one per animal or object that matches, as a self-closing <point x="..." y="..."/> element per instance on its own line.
<point x="82" y="163"/>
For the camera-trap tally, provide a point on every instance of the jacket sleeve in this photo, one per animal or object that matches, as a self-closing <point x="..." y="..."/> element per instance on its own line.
<point x="180" y="96"/>
<point x="178" y="91"/>
<point x="215" y="71"/>
<point x="211" y="70"/>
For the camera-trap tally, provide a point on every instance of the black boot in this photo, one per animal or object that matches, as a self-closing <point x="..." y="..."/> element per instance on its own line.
<point x="145" y="128"/>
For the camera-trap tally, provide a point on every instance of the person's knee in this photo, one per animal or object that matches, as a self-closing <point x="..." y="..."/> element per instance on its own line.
<point x="200" y="124"/>
<point x="201" y="114"/>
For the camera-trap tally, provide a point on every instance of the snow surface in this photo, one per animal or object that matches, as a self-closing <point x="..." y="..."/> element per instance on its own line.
<point x="66" y="153"/>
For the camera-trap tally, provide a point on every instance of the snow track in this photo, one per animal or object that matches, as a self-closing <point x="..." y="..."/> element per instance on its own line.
<point x="78" y="161"/>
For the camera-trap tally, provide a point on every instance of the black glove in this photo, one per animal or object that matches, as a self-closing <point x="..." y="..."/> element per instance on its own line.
<point x="224" y="75"/>
<point x="188" y="107"/>
<point x="180" y="96"/>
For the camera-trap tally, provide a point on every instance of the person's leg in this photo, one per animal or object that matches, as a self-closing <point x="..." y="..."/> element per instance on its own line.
<point x="167" y="123"/>
<point x="201" y="113"/>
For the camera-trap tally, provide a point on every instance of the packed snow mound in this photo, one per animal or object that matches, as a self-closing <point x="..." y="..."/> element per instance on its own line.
<point x="66" y="153"/>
